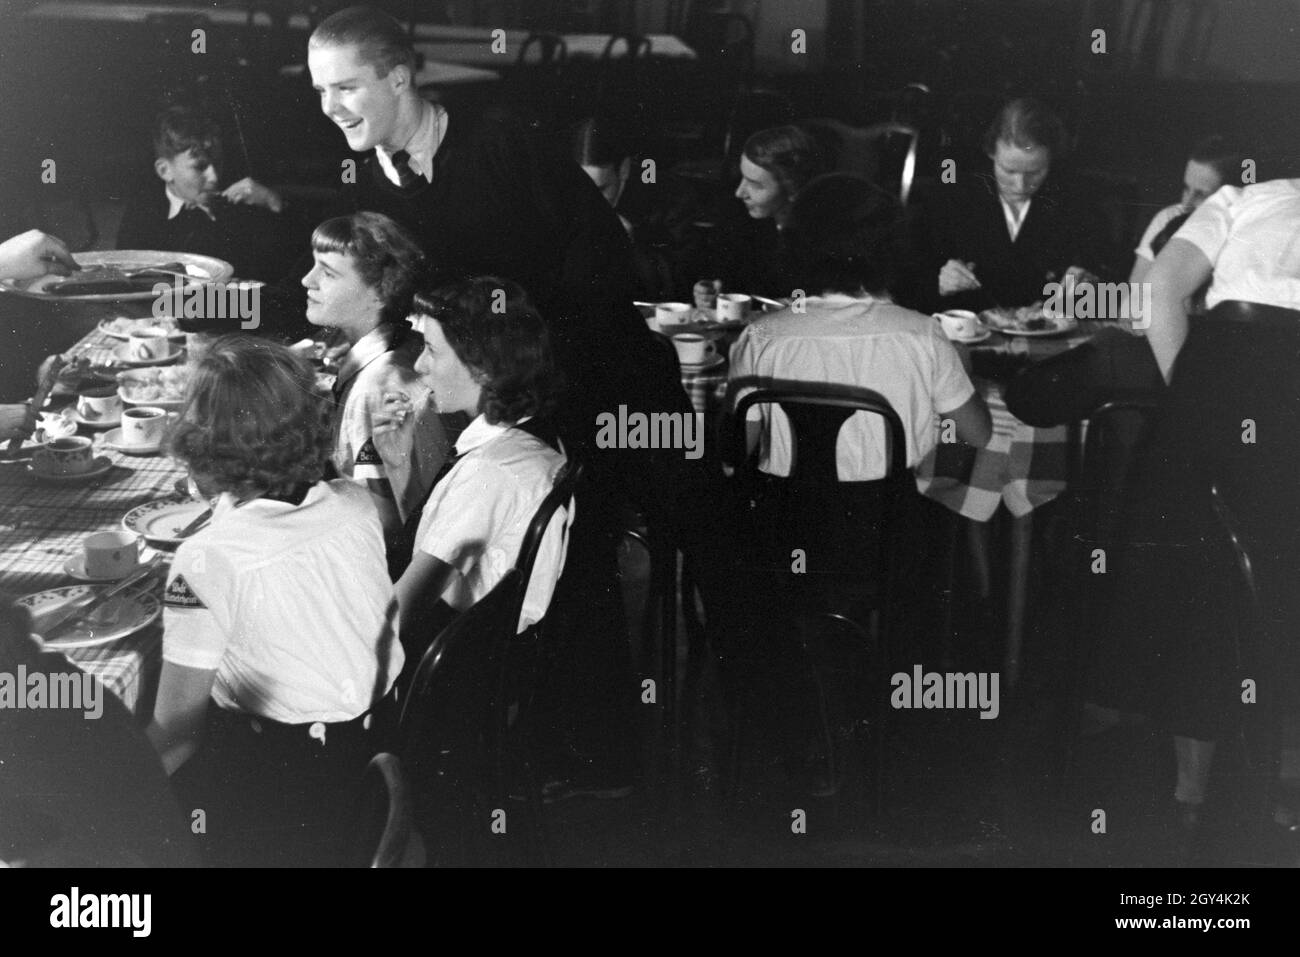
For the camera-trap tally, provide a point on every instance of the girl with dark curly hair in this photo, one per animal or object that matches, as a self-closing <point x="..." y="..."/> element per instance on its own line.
<point x="486" y="353"/>
<point x="279" y="619"/>
<point x="364" y="271"/>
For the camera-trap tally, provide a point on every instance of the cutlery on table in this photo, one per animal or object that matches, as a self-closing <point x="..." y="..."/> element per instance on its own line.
<point x="81" y="607"/>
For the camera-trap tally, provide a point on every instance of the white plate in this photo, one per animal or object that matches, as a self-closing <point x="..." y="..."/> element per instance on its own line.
<point x="202" y="268"/>
<point x="113" y="439"/>
<point x="161" y="520"/>
<point x="127" y="613"/>
<point x="144" y="322"/>
<point x="110" y="423"/>
<point x="978" y="337"/>
<point x="99" y="465"/>
<point x="712" y="362"/>
<point x="121" y="358"/>
<point x="75" y="567"/>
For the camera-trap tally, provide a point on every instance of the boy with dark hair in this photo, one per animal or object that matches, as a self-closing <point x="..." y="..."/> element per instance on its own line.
<point x="244" y="224"/>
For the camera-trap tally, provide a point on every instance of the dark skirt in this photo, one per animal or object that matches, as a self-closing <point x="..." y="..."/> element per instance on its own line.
<point x="277" y="795"/>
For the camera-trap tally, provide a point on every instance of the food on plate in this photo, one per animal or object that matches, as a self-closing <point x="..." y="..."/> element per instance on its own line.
<point x="157" y="384"/>
<point x="58" y="425"/>
<point x="124" y="325"/>
<point x="118" y="279"/>
<point x="83" y="372"/>
<point x="1029" y="318"/>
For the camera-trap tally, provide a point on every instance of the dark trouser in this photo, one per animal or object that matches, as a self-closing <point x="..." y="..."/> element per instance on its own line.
<point x="276" y="794"/>
<point x="1178" y="645"/>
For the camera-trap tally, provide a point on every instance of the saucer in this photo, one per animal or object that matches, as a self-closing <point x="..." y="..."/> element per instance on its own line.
<point x="111" y="422"/>
<point x="99" y="465"/>
<point x="712" y="362"/>
<point x="980" y="336"/>
<point x="121" y="357"/>
<point x="113" y="439"/>
<point x="75" y="567"/>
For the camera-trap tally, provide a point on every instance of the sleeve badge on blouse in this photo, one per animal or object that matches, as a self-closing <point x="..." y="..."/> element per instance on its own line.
<point x="179" y="594"/>
<point x="369" y="455"/>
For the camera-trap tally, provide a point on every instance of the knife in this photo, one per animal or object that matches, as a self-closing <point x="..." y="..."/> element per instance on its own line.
<point x="84" y="606"/>
<point x="195" y="525"/>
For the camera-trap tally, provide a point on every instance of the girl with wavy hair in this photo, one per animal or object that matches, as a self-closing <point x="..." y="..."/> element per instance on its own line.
<point x="279" y="627"/>
<point x="486" y="353"/>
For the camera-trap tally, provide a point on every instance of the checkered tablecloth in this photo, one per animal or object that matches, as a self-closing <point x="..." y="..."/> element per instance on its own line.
<point x="1022" y="466"/>
<point x="706" y="390"/>
<point x="43" y="524"/>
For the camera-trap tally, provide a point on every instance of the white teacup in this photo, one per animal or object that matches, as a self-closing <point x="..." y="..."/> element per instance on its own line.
<point x="959" y="323"/>
<point x="145" y="345"/>
<point x="693" y="349"/>
<point x="99" y="404"/>
<point x="733" y="306"/>
<point x="111" y="554"/>
<point x="672" y="313"/>
<point x="70" y="455"/>
<point x="143" y="425"/>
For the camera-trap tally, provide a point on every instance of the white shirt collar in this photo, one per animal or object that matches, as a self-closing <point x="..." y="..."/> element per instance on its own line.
<point x="365" y="351"/>
<point x="478" y="433"/>
<point x="1014" y="222"/>
<point x="421" y="148"/>
<point x="175" y="204"/>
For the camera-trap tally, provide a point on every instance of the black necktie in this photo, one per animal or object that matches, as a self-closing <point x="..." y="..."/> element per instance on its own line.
<point x="406" y="176"/>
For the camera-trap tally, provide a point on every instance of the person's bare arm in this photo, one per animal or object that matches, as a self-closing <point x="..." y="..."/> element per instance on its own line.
<point x="424" y="581"/>
<point x="179" y="712"/>
<point x="382" y="494"/>
<point x="1179" y="270"/>
<point x="33" y="254"/>
<point x="1141" y="269"/>
<point x="972" y="420"/>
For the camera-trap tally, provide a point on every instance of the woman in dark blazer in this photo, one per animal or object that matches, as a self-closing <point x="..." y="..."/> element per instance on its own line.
<point x="996" y="237"/>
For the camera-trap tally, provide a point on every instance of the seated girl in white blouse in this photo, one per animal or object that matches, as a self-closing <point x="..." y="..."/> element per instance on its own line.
<point x="280" y="632"/>
<point x="486" y="353"/>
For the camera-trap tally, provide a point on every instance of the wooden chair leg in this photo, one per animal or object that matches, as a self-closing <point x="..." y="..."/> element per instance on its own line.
<point x="1022" y="534"/>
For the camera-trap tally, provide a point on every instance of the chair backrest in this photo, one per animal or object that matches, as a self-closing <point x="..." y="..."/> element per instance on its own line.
<point x="451" y="730"/>
<point x="552" y="50"/>
<point x="816" y="414"/>
<point x="566" y="482"/>
<point x="1126" y="420"/>
<point x="895" y="147"/>
<point x="385" y="834"/>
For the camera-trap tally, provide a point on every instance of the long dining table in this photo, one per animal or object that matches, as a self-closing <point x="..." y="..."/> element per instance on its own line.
<point x="43" y="524"/>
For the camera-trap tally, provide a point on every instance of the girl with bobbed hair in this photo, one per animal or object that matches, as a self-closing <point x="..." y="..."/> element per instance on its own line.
<point x="365" y="268"/>
<point x="486" y="353"/>
<point x="744" y="255"/>
<point x="279" y="622"/>
<point x="774" y="166"/>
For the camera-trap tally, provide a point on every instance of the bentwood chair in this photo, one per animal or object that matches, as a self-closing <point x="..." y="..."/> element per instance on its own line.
<point x="387" y="836"/>
<point x="464" y="729"/>
<point x="815" y="512"/>
<point x="895" y="146"/>
<point x="452" y="726"/>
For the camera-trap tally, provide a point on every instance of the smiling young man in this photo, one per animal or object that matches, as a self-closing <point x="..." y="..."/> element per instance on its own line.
<point x="997" y="238"/>
<point x="482" y="192"/>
